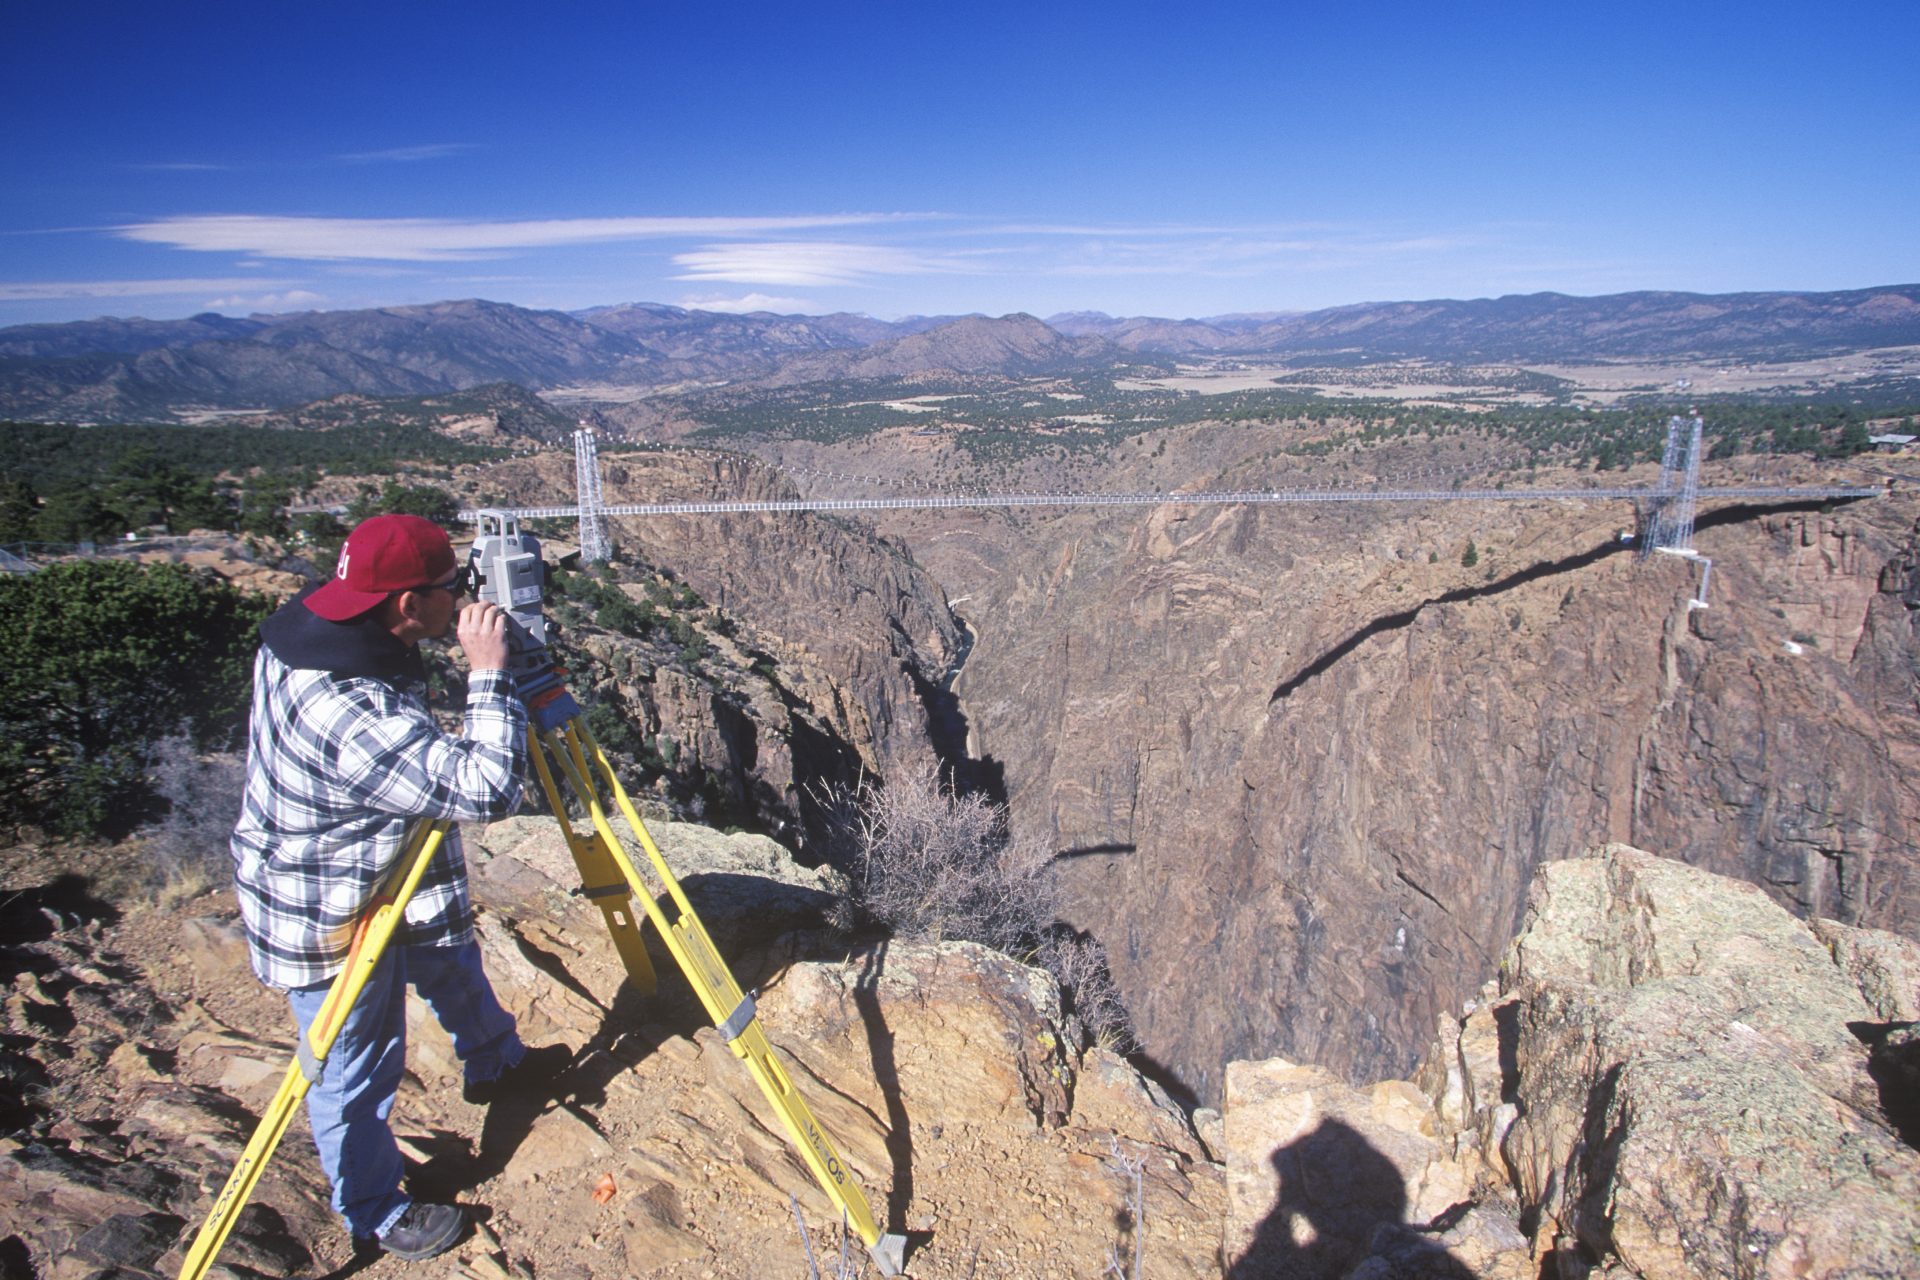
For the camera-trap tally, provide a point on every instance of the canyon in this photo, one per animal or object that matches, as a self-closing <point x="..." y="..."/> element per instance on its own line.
<point x="1298" y="764"/>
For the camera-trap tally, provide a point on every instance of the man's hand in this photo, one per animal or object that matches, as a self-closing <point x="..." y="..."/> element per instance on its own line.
<point x="482" y="633"/>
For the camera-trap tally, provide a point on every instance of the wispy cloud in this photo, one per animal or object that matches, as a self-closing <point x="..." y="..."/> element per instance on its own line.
<point x="1247" y="254"/>
<point x="291" y="300"/>
<point x="1107" y="229"/>
<point x="446" y="240"/>
<point x="408" y="155"/>
<point x="754" y="302"/>
<point x="806" y="263"/>
<point x="33" y="290"/>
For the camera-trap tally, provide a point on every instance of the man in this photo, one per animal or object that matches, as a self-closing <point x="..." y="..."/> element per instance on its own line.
<point x="343" y="759"/>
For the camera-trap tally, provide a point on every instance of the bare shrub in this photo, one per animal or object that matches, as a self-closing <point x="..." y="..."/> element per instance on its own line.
<point x="187" y="848"/>
<point x="1079" y="964"/>
<point x="929" y="865"/>
<point x="1133" y="1217"/>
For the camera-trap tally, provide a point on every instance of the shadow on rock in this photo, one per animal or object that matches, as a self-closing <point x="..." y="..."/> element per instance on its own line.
<point x="1405" y="617"/>
<point x="1341" y="1201"/>
<point x="886" y="1072"/>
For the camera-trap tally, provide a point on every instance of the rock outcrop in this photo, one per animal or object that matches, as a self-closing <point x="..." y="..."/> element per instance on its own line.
<point x="140" y="1050"/>
<point x="1671" y="1080"/>
<point x="1672" y="1077"/>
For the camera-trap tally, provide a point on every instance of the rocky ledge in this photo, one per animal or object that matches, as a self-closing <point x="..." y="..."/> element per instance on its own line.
<point x="1672" y="1077"/>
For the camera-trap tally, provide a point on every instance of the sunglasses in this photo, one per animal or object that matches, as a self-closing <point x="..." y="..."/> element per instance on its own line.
<point x="462" y="582"/>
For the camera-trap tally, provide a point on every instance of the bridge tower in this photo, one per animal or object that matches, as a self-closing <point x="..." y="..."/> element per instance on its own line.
<point x="594" y="546"/>
<point x="1671" y="530"/>
<point x="1669" y="524"/>
<point x="1683" y="511"/>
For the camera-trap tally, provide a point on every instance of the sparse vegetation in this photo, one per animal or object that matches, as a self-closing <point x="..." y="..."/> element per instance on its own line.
<point x="999" y="420"/>
<point x="186" y="849"/>
<point x="930" y="864"/>
<point x="68" y="484"/>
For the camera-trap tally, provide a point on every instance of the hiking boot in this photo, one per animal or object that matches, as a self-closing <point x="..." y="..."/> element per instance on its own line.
<point x="525" y="1078"/>
<point x="425" y="1231"/>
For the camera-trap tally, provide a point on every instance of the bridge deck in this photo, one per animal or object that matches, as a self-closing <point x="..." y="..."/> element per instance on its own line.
<point x="924" y="502"/>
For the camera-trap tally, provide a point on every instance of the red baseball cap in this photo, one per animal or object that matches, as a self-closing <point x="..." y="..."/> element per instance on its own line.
<point x="383" y="555"/>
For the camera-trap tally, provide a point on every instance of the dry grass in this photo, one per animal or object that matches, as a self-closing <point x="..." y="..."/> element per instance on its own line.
<point x="187" y="849"/>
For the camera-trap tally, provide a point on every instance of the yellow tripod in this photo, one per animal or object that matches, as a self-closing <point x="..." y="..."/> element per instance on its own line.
<point x="370" y="940"/>
<point x="571" y="749"/>
<point x="567" y="750"/>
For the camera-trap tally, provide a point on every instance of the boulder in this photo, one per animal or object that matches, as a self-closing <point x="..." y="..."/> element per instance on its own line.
<point x="1692" y="1101"/>
<point x="745" y="887"/>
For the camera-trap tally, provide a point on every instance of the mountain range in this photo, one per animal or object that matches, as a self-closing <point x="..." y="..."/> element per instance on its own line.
<point x="111" y="368"/>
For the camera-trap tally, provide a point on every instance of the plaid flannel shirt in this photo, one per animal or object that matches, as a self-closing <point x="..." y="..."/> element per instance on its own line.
<point x="338" y="770"/>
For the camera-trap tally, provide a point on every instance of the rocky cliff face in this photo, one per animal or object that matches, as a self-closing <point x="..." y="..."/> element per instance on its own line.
<point x="1302" y="761"/>
<point x="849" y="632"/>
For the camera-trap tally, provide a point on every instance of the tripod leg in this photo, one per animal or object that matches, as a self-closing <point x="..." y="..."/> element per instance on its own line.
<point x="370" y="940"/>
<point x="733" y="1013"/>
<point x="600" y="880"/>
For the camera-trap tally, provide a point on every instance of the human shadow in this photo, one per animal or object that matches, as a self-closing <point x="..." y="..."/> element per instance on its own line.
<point x="455" y="1166"/>
<point x="886" y="1073"/>
<point x="1341" y="1201"/>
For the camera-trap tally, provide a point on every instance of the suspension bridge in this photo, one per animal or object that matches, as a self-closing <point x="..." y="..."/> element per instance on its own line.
<point x="1668" y="506"/>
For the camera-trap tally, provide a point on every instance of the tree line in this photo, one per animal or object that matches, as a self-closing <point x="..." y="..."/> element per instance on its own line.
<point x="68" y="484"/>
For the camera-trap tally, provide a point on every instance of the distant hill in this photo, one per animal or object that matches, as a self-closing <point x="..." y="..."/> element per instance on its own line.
<point x="1548" y="327"/>
<point x="716" y="344"/>
<point x="1147" y="333"/>
<point x="464" y="344"/>
<point x="130" y="336"/>
<point x="230" y="375"/>
<point x="1010" y="345"/>
<point x="133" y="369"/>
<point x="269" y="362"/>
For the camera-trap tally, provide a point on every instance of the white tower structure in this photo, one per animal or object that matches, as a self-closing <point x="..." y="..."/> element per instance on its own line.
<point x="1689" y="493"/>
<point x="594" y="546"/>
<point x="1670" y="527"/>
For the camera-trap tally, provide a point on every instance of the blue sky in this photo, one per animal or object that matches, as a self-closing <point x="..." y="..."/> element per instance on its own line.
<point x="901" y="159"/>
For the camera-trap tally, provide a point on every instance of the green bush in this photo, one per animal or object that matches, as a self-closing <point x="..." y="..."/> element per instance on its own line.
<point x="394" y="498"/>
<point x="104" y="660"/>
<point x="621" y="614"/>
<point x="613" y="731"/>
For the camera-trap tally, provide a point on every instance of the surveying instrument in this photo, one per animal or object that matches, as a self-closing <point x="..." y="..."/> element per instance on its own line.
<point x="505" y="568"/>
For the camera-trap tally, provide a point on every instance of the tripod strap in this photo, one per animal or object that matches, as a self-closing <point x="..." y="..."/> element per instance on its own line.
<point x="736" y="1022"/>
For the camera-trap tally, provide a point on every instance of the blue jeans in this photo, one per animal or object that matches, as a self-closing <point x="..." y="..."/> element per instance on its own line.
<point x="349" y="1105"/>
